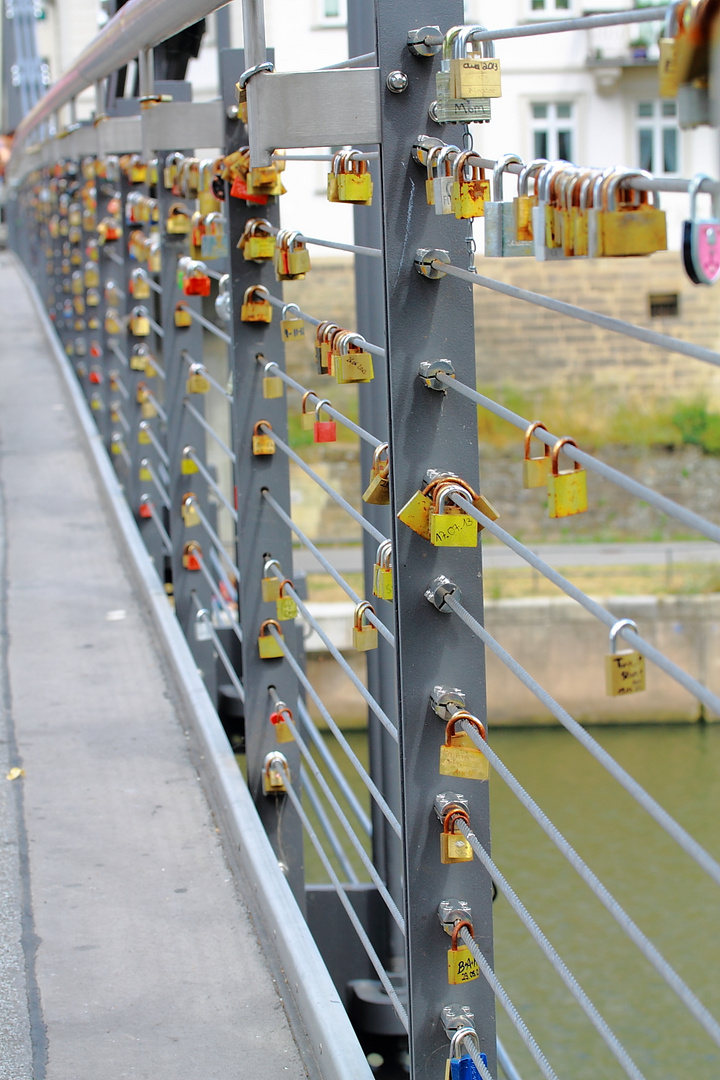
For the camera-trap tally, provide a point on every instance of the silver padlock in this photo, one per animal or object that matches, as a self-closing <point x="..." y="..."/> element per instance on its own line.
<point x="500" y="217"/>
<point x="543" y="253"/>
<point x="595" y="211"/>
<point x="443" y="182"/>
<point x="223" y="303"/>
<point x="701" y="239"/>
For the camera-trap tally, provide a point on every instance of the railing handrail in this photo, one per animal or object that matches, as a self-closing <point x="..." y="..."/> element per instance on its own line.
<point x="138" y="25"/>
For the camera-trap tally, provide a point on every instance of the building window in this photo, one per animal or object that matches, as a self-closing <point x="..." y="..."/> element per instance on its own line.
<point x="658" y="146"/>
<point x="331" y="12"/>
<point x="553" y="129"/>
<point x="549" y="7"/>
<point x="664" y="305"/>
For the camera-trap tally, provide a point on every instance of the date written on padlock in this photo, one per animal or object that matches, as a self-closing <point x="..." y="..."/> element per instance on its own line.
<point x="624" y="668"/>
<point x="449" y="526"/>
<point x="416" y="511"/>
<point x="285" y="605"/>
<point x="459" y="756"/>
<point x="462" y="966"/>
<point x="567" y="490"/>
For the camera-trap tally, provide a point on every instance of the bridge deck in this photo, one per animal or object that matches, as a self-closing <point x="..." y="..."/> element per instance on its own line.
<point x="125" y="949"/>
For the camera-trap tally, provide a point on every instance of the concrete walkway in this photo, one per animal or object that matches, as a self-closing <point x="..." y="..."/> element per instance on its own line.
<point x="125" y="949"/>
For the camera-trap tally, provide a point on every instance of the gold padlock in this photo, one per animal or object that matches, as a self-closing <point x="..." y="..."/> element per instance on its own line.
<point x="188" y="510"/>
<point x="454" y="848"/>
<point x="351" y="363"/>
<point x="525" y="202"/>
<point x="275" y="772"/>
<point x="322" y="345"/>
<point x="292" y="327"/>
<point x="270" y="584"/>
<point x="378" y="490"/>
<point x="183" y="317"/>
<point x="139" y="322"/>
<point x="268" y="647"/>
<point x="263" y="444"/>
<point x="179" y="220"/>
<point x="352" y="179"/>
<point x="535" y="470"/>
<point x="256" y="305"/>
<point x="382" y="572"/>
<point x="451" y="527"/>
<point x="469" y="194"/>
<point x="285" y="606"/>
<point x="624" y="668"/>
<point x="668" y="73"/>
<point x="459" y="756"/>
<point x="197" y="381"/>
<point x="257" y="241"/>
<point x="567" y="491"/>
<point x="281" y="719"/>
<point x="187" y="464"/>
<point x="634" y="228"/>
<point x="272" y="385"/>
<point x="307" y="419"/>
<point x="365" y="635"/>
<point x="292" y="258"/>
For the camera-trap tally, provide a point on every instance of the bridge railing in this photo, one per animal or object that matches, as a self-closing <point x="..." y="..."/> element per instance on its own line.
<point x="206" y="384"/>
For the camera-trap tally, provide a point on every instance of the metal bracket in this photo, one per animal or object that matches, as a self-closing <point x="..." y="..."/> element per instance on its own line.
<point x="439" y="590"/>
<point x="453" y="1017"/>
<point x="179" y="123"/>
<point x="438" y="474"/>
<point x="430" y="368"/>
<point x="289" y="109"/>
<point x="422" y="144"/>
<point x="452" y="911"/>
<point x="425" y="41"/>
<point x="424" y="258"/>
<point x="444" y="799"/>
<point x="445" y="701"/>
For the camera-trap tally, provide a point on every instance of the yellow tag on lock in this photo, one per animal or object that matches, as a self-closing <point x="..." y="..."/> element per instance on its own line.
<point x="567" y="491"/>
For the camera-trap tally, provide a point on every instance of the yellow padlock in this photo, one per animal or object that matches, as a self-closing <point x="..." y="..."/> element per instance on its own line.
<point x="272" y="385"/>
<point x="188" y="510"/>
<point x="354" y="183"/>
<point x="454" y="848"/>
<point x="462" y="966"/>
<point x="459" y="756"/>
<point x="624" y="668"/>
<point x="631" y="228"/>
<point x="268" y="647"/>
<point x="139" y="322"/>
<point x="187" y="465"/>
<point x="469" y="194"/>
<point x="179" y="221"/>
<point x="382" y="572"/>
<point x="281" y="719"/>
<point x="378" y="490"/>
<point x="285" y="606"/>
<point x="451" y="527"/>
<point x="292" y="327"/>
<point x="256" y="306"/>
<point x="257" y="242"/>
<point x="183" y="318"/>
<point x="197" y="381"/>
<point x="365" y="635"/>
<point x="263" y="444"/>
<point x="351" y="363"/>
<point x="567" y="491"/>
<point x="275" y="772"/>
<point x="535" y="470"/>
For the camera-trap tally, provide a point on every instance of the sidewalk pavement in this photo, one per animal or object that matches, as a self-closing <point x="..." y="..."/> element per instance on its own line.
<point x="125" y="947"/>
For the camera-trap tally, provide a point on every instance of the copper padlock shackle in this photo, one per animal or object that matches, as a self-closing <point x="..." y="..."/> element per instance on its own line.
<point x="456" y="930"/>
<point x="361" y="611"/>
<point x="283" y="583"/>
<point x="610" y="193"/>
<point x="529" y="432"/>
<point x="463" y="715"/>
<point x="265" y="424"/>
<point x="530" y="171"/>
<point x="565" y="441"/>
<point x="617" y="628"/>
<point x="461" y="163"/>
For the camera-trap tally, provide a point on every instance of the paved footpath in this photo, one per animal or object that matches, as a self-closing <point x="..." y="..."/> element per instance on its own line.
<point x="125" y="949"/>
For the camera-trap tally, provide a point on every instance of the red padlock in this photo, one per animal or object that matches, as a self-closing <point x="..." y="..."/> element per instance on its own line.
<point x="145" y="510"/>
<point x="95" y="377"/>
<point x="324" y="430"/>
<point x="239" y="191"/>
<point x="196" y="281"/>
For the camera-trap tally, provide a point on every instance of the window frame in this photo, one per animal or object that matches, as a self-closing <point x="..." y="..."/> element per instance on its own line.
<point x="552" y="125"/>
<point x="657" y="124"/>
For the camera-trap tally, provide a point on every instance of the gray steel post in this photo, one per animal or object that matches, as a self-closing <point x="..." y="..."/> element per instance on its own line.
<point x="426" y="320"/>
<point x="261" y="534"/>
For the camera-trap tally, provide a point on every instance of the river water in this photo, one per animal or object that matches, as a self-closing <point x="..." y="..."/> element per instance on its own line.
<point x="670" y="899"/>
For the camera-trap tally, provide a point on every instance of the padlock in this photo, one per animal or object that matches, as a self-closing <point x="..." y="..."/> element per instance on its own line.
<point x="275" y="772"/>
<point x="595" y="211"/>
<point x="154" y="254"/>
<point x="257" y="242"/>
<point x="631" y="228"/>
<point x="183" y="317"/>
<point x="179" y="220"/>
<point x="469" y="193"/>
<point x="139" y="284"/>
<point x="138" y="358"/>
<point x="322" y="347"/>
<point x="144" y="438"/>
<point x="145" y="510"/>
<point x="268" y="647"/>
<point x="365" y="635"/>
<point x="272" y="385"/>
<point x="461" y="1066"/>
<point x="256" y="306"/>
<point x="144" y="399"/>
<point x="144" y="473"/>
<point x="196" y="280"/>
<point x="382" y="572"/>
<point x="263" y="444"/>
<point x="624" y="668"/>
<point x="197" y="381"/>
<point x="378" y="490"/>
<point x="416" y="511"/>
<point x="324" y="431"/>
<point x="239" y="190"/>
<point x="270" y="584"/>
<point x="214" y="241"/>
<point x="668" y="62"/>
<point x="292" y="327"/>
<point x="567" y="491"/>
<point x="451" y="527"/>
<point x="547" y="215"/>
<point x="430" y="162"/>
<point x="525" y="203"/>
<point x="170" y="171"/>
<point x="462" y="966"/>
<point x="353" y="179"/>
<point x="282" y="720"/>
<point x="187" y="465"/>
<point x="331" y="348"/>
<point x="454" y="848"/>
<point x="208" y="201"/>
<point x="500" y="218"/>
<point x="285" y="606"/>
<point x="265" y="180"/>
<point x="192" y="554"/>
<point x="351" y="363"/>
<point x="112" y="295"/>
<point x="223" y="300"/>
<point x="77" y="284"/>
<point x="443" y="182"/>
<point x="461" y="73"/>
<point x="535" y="470"/>
<point x="92" y="298"/>
<point x="692" y="51"/>
<point x="188" y="510"/>
<point x="139" y="322"/>
<point x="307" y="419"/>
<point x="459" y="756"/>
<point x="701" y="240"/>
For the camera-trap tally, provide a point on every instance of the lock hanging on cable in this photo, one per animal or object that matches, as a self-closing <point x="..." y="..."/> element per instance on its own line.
<point x="469" y="194"/>
<point x="378" y="490"/>
<point x="270" y="584"/>
<point x="292" y="327"/>
<point x="268" y="647"/>
<point x="701" y="239"/>
<point x="285" y="606"/>
<point x="192" y="554"/>
<point x="365" y="635"/>
<point x="450" y="526"/>
<point x="382" y="572"/>
<point x="454" y="847"/>
<point x="257" y="242"/>
<point x="272" y="385"/>
<point x="459" y="756"/>
<point x="567" y="490"/>
<point x="351" y="363"/>
<point x="624" y="668"/>
<point x="462" y="966"/>
<point x="256" y="306"/>
<point x="197" y="381"/>
<point x="324" y="431"/>
<point x="188" y="510"/>
<point x="263" y="443"/>
<point x="535" y="470"/>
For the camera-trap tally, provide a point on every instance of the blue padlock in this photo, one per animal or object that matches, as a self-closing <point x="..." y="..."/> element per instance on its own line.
<point x="463" y="1067"/>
